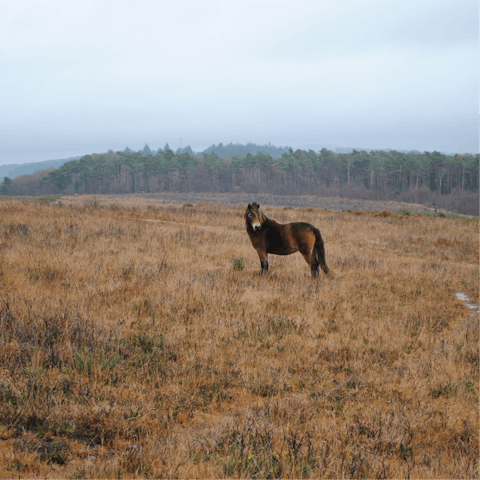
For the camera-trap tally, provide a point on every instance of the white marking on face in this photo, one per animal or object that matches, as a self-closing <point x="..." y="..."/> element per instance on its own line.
<point x="256" y="225"/>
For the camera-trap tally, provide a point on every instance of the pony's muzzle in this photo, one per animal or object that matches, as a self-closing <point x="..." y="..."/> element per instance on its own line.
<point x="256" y="226"/>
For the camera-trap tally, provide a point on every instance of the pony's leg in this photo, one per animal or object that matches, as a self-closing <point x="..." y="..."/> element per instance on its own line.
<point x="263" y="262"/>
<point x="311" y="259"/>
<point x="314" y="267"/>
<point x="321" y="260"/>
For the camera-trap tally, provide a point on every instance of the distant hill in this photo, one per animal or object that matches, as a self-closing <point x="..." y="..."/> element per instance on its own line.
<point x="15" y="170"/>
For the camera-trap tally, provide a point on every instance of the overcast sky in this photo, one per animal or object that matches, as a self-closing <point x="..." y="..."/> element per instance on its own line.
<point x="79" y="77"/>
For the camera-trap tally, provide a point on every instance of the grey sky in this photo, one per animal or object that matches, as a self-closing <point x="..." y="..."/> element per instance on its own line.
<point x="82" y="77"/>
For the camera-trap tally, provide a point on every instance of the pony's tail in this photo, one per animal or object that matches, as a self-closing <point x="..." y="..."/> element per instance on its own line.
<point x="319" y="250"/>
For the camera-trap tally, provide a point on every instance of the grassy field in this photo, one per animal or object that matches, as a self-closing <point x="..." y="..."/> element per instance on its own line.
<point x="142" y="342"/>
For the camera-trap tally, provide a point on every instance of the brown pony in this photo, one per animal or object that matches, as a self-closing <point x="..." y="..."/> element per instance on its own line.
<point x="268" y="236"/>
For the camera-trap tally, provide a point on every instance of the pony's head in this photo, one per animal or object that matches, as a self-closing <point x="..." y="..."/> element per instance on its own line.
<point x="254" y="217"/>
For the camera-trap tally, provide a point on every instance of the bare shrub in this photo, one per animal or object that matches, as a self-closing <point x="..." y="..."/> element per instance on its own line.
<point x="27" y="184"/>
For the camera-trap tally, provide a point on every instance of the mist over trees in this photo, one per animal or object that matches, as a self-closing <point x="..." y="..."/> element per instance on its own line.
<point x="221" y="150"/>
<point x="236" y="149"/>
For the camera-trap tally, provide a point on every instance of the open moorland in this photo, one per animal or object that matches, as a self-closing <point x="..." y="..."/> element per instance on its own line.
<point x="140" y="341"/>
<point x="236" y="199"/>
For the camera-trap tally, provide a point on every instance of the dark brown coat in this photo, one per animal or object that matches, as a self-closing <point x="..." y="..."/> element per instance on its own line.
<point x="268" y="236"/>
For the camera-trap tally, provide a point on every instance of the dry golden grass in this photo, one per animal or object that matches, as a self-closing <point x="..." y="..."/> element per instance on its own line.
<point x="130" y="347"/>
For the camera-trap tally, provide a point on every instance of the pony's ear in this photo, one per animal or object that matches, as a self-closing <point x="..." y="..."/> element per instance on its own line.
<point x="255" y="204"/>
<point x="249" y="206"/>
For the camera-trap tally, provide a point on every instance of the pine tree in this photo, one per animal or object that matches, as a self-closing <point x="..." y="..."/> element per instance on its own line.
<point x="5" y="185"/>
<point x="146" y="150"/>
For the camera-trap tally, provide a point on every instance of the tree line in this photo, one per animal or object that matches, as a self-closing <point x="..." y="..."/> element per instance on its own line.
<point x="299" y="172"/>
<point x="376" y="174"/>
